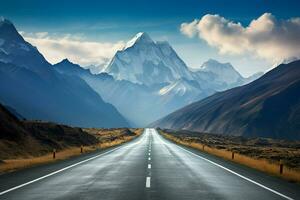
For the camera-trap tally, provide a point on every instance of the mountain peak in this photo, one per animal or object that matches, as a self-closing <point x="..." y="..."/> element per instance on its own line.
<point x="5" y="24"/>
<point x="66" y="66"/>
<point x="212" y="65"/>
<point x="225" y="71"/>
<point x="66" y="61"/>
<point x="4" y="21"/>
<point x="140" y="37"/>
<point x="8" y="31"/>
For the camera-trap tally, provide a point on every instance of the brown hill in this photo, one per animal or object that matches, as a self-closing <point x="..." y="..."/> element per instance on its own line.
<point x="31" y="138"/>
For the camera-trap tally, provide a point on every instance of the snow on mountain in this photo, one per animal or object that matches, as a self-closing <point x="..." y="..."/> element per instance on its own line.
<point x="147" y="62"/>
<point x="165" y="78"/>
<point x="149" y="77"/>
<point x="224" y="71"/>
<point x="139" y="37"/>
<point x="180" y="87"/>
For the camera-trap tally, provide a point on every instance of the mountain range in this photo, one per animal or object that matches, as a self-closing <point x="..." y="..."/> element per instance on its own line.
<point x="147" y="80"/>
<point x="143" y="82"/>
<point x="30" y="85"/>
<point x="266" y="107"/>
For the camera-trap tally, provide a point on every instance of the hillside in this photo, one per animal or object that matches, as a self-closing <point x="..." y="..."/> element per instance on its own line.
<point x="28" y="138"/>
<point x="267" y="107"/>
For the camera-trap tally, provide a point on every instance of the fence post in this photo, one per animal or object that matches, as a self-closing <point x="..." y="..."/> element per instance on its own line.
<point x="54" y="152"/>
<point x="232" y="155"/>
<point x="203" y="146"/>
<point x="280" y="167"/>
<point x="81" y="149"/>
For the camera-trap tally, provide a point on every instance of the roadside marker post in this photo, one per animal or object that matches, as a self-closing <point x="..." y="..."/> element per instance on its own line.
<point x="54" y="152"/>
<point x="280" y="167"/>
<point x="81" y="149"/>
<point x="232" y="155"/>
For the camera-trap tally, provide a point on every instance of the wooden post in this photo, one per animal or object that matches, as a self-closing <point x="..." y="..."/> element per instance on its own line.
<point x="54" y="152"/>
<point x="81" y="149"/>
<point x="280" y="167"/>
<point x="203" y="146"/>
<point x="232" y="155"/>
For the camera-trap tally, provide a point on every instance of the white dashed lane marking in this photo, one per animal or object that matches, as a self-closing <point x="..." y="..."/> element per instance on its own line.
<point x="148" y="182"/>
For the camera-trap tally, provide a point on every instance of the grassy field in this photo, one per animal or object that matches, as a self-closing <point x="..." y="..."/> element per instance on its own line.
<point x="259" y="153"/>
<point x="106" y="138"/>
<point x="112" y="137"/>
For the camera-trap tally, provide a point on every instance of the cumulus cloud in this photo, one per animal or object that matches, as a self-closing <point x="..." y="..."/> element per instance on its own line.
<point x="75" y="48"/>
<point x="267" y="37"/>
<point x="189" y="29"/>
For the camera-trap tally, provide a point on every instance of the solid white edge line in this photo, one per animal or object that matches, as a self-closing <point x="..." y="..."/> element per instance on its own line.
<point x="58" y="171"/>
<point x="239" y="175"/>
<point x="148" y="182"/>
<point x="233" y="172"/>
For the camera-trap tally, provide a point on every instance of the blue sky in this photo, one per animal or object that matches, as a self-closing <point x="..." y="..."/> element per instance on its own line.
<point x="115" y="21"/>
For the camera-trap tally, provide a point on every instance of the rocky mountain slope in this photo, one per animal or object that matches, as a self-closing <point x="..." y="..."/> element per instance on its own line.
<point x="29" y="84"/>
<point x="267" y="107"/>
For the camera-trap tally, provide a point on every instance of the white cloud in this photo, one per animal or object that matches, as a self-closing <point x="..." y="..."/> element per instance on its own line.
<point x="267" y="37"/>
<point x="189" y="29"/>
<point x="75" y="48"/>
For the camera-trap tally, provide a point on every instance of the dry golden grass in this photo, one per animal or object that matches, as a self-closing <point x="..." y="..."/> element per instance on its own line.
<point x="16" y="164"/>
<point x="113" y="137"/>
<point x="259" y="164"/>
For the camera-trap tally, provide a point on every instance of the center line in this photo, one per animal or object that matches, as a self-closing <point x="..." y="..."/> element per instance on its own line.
<point x="149" y="158"/>
<point x="148" y="180"/>
<point x="149" y="154"/>
<point x="149" y="166"/>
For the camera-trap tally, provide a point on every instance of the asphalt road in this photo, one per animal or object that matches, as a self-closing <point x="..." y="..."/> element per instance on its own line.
<point x="149" y="167"/>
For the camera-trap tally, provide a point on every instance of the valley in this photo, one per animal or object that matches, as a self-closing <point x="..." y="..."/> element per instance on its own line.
<point x="149" y="100"/>
<point x="144" y="77"/>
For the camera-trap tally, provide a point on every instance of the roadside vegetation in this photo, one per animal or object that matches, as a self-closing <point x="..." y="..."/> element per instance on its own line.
<point x="113" y="137"/>
<point x="259" y="153"/>
<point x="68" y="142"/>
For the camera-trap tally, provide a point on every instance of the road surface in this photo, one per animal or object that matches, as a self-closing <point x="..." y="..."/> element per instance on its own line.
<point x="149" y="167"/>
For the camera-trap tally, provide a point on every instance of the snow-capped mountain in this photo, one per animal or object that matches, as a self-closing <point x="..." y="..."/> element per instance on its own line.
<point x="221" y="76"/>
<point x="223" y="71"/>
<point x="149" y="77"/>
<point x="147" y="62"/>
<point x="144" y="77"/>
